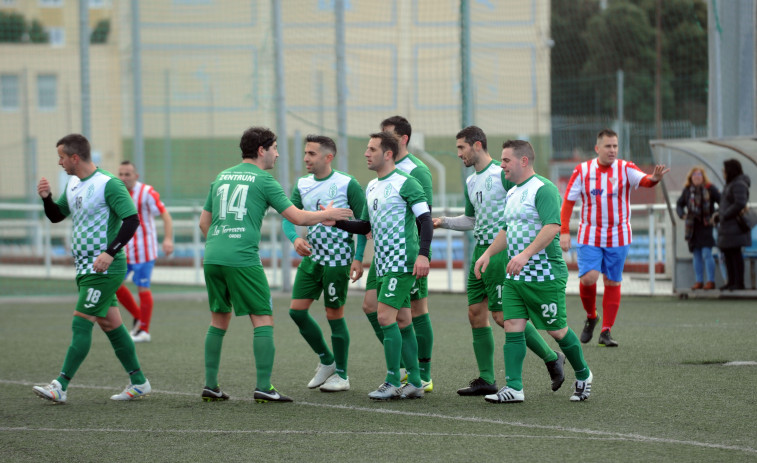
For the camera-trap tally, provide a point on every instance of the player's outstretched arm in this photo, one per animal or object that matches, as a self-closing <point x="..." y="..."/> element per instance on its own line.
<point x="307" y="218"/>
<point x="459" y="223"/>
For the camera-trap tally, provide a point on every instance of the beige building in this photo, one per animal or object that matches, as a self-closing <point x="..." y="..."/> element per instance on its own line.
<point x="207" y="74"/>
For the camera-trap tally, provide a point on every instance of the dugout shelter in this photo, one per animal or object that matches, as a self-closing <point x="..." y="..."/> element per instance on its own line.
<point x="681" y="155"/>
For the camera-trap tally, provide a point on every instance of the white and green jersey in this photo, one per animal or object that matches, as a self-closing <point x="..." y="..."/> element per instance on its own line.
<point x="419" y="171"/>
<point x="393" y="203"/>
<point x="97" y="205"/>
<point x="485" y="194"/>
<point x="529" y="206"/>
<point x="330" y="246"/>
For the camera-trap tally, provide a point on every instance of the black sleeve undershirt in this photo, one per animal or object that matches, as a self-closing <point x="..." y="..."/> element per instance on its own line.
<point x="52" y="211"/>
<point x="128" y="228"/>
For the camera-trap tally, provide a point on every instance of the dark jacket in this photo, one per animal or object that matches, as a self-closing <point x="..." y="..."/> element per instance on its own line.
<point x="702" y="236"/>
<point x="732" y="201"/>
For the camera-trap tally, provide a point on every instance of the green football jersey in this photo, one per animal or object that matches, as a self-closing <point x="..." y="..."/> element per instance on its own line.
<point x="485" y="193"/>
<point x="97" y="205"/>
<point x="393" y="203"/>
<point x="419" y="171"/>
<point x="531" y="205"/>
<point x="238" y="200"/>
<point x="329" y="245"/>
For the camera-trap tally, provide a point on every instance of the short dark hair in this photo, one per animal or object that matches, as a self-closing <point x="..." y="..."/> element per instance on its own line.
<point x="76" y="143"/>
<point x="389" y="142"/>
<point x="126" y="163"/>
<point x="401" y="126"/>
<point x="326" y="143"/>
<point x="254" y="138"/>
<point x="606" y="133"/>
<point x="521" y="148"/>
<point x="732" y="169"/>
<point x="472" y="134"/>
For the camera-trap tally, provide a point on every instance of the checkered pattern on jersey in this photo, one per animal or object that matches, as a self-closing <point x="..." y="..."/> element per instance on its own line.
<point x="388" y="215"/>
<point x="486" y="193"/>
<point x="90" y="214"/>
<point x="330" y="246"/>
<point x="523" y="224"/>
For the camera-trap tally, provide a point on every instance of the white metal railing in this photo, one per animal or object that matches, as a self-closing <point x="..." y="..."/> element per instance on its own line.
<point x="188" y="236"/>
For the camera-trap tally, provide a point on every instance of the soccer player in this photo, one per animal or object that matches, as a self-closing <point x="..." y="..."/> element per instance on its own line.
<point x="536" y="274"/>
<point x="230" y="221"/>
<point x="604" y="235"/>
<point x="327" y="260"/>
<point x="142" y="249"/>
<point x="395" y="201"/>
<point x="104" y="220"/>
<point x="485" y="193"/>
<point x="406" y="162"/>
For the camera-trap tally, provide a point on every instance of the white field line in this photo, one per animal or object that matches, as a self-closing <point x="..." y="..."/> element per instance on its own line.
<point x="583" y="433"/>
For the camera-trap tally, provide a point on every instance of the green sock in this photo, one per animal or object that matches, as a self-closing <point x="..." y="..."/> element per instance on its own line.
<point x="410" y="355"/>
<point x="213" y="345"/>
<point x="515" y="353"/>
<point x="124" y="348"/>
<point x="392" y="353"/>
<point x="538" y="345"/>
<point x="312" y="333"/>
<point x="571" y="347"/>
<point x="373" y="318"/>
<point x="483" y="349"/>
<point x="264" y="350"/>
<point x="340" y="342"/>
<point x="81" y="341"/>
<point x="424" y="334"/>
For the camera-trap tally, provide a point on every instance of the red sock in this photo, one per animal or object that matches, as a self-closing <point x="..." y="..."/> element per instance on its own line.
<point x="610" y="306"/>
<point x="145" y="305"/>
<point x="588" y="299"/>
<point x="127" y="300"/>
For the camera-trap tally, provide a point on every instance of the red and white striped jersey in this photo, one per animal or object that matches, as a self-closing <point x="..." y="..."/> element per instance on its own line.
<point x="143" y="247"/>
<point x="605" y="193"/>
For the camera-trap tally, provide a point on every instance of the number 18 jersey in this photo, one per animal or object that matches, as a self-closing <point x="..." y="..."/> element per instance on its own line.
<point x="238" y="200"/>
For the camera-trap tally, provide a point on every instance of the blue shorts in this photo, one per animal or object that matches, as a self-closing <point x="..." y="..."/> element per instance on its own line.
<point x="608" y="261"/>
<point x="142" y="273"/>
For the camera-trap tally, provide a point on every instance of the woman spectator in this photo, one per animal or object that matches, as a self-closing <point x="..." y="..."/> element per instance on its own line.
<point x="731" y="236"/>
<point x="696" y="206"/>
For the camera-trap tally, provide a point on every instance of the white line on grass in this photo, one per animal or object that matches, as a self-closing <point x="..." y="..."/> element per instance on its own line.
<point x="595" y="435"/>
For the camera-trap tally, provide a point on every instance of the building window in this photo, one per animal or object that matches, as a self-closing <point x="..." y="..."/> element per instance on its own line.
<point x="97" y="3"/>
<point x="9" y="92"/>
<point x="57" y="36"/>
<point x="47" y="92"/>
<point x="8" y="3"/>
<point x="50" y="3"/>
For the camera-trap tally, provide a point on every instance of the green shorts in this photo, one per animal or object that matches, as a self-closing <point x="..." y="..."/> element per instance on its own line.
<point x="543" y="302"/>
<point x="420" y="289"/>
<point x="97" y="292"/>
<point x="313" y="278"/>
<point x="244" y="288"/>
<point x="393" y="289"/>
<point x="490" y="285"/>
<point x="370" y="281"/>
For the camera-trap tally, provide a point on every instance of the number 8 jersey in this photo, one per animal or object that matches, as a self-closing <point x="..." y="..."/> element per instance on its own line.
<point x="393" y="203"/>
<point x="238" y="200"/>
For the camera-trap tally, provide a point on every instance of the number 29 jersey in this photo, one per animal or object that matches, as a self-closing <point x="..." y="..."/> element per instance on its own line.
<point x="238" y="200"/>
